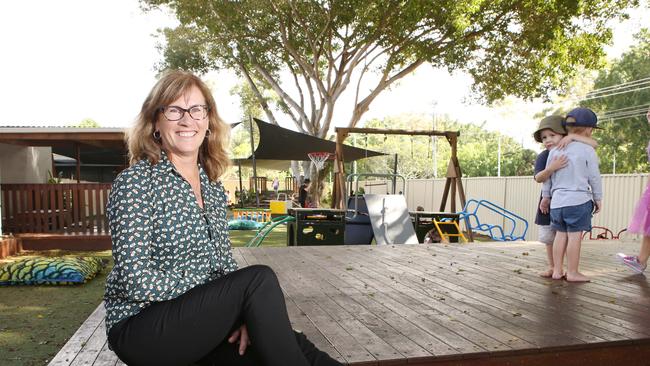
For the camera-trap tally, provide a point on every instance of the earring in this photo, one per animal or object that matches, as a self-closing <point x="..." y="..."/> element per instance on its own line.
<point x="156" y="135"/>
<point x="208" y="133"/>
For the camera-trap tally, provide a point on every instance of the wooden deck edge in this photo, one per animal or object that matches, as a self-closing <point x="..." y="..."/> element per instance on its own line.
<point x="65" y="241"/>
<point x="89" y="343"/>
<point x="78" y="341"/>
<point x="628" y="352"/>
<point x="10" y="246"/>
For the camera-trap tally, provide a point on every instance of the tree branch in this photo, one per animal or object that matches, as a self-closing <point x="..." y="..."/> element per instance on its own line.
<point x="364" y="105"/>
<point x="257" y="93"/>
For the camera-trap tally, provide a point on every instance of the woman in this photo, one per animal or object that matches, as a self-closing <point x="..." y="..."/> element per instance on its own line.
<point x="175" y="296"/>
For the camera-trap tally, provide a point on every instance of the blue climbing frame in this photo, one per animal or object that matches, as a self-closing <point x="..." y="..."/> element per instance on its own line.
<point x="496" y="232"/>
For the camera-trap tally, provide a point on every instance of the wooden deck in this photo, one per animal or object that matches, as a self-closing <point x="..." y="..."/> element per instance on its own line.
<point x="472" y="304"/>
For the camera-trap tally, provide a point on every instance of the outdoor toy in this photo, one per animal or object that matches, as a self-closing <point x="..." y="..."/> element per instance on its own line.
<point x="267" y="228"/>
<point x="238" y="224"/>
<point x="515" y="222"/>
<point x="50" y="271"/>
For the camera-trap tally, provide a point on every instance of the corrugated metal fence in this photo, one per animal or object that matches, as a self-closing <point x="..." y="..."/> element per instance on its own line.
<point x="520" y="195"/>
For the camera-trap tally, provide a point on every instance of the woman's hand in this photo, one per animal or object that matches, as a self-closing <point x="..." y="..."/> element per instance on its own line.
<point x="558" y="163"/>
<point x="240" y="336"/>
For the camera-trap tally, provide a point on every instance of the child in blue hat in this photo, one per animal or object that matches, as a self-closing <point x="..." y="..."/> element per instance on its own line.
<point x="573" y="193"/>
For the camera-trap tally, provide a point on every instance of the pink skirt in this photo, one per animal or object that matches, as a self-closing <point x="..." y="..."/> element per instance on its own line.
<point x="640" y="222"/>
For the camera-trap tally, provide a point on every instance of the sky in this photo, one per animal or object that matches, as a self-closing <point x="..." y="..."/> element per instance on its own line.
<point x="65" y="61"/>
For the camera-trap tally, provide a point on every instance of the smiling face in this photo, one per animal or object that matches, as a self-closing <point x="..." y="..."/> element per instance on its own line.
<point x="183" y="138"/>
<point x="550" y="138"/>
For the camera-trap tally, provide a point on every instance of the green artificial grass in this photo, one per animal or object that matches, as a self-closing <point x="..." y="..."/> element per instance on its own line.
<point x="277" y="238"/>
<point x="36" y="321"/>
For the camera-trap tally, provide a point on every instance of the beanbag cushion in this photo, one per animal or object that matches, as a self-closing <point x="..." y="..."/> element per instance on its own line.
<point x="50" y="271"/>
<point x="244" y="225"/>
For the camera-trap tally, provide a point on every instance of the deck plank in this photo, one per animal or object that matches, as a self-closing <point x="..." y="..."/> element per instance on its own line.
<point x="92" y="348"/>
<point x="106" y="357"/>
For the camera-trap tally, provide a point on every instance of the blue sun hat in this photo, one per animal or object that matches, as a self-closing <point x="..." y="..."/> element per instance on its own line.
<point x="583" y="117"/>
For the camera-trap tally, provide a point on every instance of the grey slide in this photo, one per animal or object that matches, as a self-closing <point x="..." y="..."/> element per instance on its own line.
<point x="390" y="219"/>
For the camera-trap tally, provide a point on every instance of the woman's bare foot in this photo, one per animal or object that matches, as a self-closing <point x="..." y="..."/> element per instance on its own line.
<point x="557" y="275"/>
<point x="547" y="274"/>
<point x="577" y="277"/>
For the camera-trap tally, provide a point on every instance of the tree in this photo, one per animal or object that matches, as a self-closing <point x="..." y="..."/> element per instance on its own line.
<point x="520" y="48"/>
<point x="622" y="111"/>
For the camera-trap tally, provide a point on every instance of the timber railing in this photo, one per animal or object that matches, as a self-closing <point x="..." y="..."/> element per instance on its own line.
<point x="55" y="208"/>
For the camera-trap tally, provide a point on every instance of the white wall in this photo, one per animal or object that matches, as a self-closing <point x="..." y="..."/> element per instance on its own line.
<point x="24" y="164"/>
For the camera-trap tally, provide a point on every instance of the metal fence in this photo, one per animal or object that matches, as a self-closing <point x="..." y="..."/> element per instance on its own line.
<point x="521" y="196"/>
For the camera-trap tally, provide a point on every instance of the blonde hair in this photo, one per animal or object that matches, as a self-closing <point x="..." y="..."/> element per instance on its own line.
<point x="578" y="130"/>
<point x="172" y="85"/>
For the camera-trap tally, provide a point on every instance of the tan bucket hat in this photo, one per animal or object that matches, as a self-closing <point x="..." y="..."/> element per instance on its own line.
<point x="553" y="123"/>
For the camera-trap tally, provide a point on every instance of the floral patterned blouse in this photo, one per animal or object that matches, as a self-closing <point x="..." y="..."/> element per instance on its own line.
<point x="164" y="243"/>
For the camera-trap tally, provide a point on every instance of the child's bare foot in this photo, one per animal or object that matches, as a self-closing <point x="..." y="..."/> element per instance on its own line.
<point x="577" y="277"/>
<point x="557" y="275"/>
<point x="547" y="274"/>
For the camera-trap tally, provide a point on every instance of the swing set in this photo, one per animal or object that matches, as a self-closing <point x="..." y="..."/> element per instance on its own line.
<point x="453" y="184"/>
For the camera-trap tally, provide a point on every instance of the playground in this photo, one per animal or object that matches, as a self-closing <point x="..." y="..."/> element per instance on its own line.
<point x="357" y="219"/>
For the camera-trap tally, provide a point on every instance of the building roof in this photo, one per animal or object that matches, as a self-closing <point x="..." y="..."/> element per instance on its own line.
<point x="96" y="145"/>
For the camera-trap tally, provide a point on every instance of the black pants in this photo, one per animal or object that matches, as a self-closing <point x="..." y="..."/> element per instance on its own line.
<point x="194" y="328"/>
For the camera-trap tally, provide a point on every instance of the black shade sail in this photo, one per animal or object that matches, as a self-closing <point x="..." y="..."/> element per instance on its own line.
<point x="277" y="144"/>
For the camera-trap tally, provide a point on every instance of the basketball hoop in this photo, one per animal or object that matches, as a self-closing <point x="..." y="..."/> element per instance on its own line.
<point x="319" y="158"/>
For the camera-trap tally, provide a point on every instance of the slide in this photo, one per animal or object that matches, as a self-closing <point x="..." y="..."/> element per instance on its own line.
<point x="390" y="220"/>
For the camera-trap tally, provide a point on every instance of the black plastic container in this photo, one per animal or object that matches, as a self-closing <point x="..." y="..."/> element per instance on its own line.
<point x="357" y="228"/>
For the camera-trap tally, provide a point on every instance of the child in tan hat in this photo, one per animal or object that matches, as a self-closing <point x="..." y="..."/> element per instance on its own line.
<point x="552" y="134"/>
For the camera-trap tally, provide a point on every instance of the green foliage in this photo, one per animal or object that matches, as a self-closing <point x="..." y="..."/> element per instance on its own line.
<point x="520" y="48"/>
<point x="625" y="138"/>
<point x="51" y="179"/>
<point x="477" y="150"/>
<point x="86" y="123"/>
<point x="240" y="140"/>
<point x="250" y="106"/>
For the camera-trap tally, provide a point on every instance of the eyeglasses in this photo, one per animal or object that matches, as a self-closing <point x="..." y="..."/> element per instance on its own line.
<point x="175" y="113"/>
